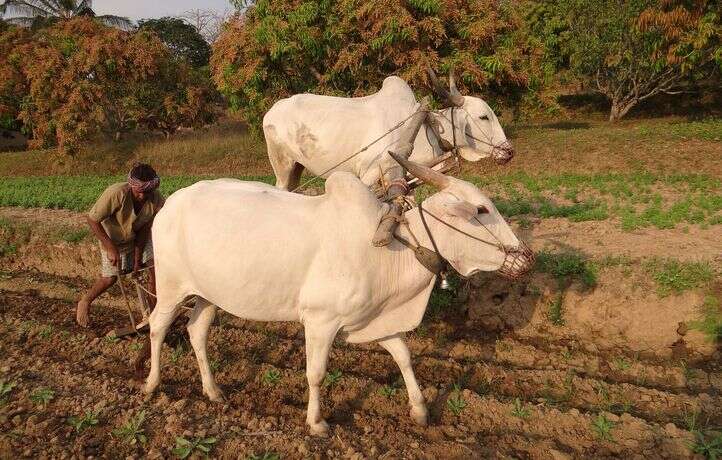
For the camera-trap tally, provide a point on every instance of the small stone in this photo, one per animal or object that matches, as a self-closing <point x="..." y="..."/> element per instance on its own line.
<point x="574" y="412"/>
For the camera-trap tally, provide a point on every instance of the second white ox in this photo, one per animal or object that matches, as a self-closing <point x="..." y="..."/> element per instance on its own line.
<point x="320" y="132"/>
<point x="288" y="257"/>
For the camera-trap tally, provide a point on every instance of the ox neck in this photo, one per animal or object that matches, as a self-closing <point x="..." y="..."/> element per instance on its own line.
<point x="415" y="234"/>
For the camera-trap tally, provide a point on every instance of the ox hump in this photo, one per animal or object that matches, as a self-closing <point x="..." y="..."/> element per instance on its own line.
<point x="348" y="192"/>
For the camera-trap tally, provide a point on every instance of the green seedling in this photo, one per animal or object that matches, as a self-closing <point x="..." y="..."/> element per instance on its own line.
<point x="5" y="389"/>
<point x="184" y="448"/>
<point x="332" y="378"/>
<point x="602" y="427"/>
<point x="177" y="352"/>
<point x="112" y="339"/>
<point x="265" y="456"/>
<point x="708" y="443"/>
<point x="621" y="363"/>
<point x="456" y="403"/>
<point x="388" y="391"/>
<point x="42" y="396"/>
<point x="81" y="423"/>
<point x="556" y="311"/>
<point x="519" y="410"/>
<point x="271" y="377"/>
<point x="46" y="332"/>
<point x="215" y="364"/>
<point x="132" y="431"/>
<point x="135" y="346"/>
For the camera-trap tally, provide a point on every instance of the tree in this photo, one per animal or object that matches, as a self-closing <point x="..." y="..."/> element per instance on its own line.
<point x="208" y="23"/>
<point x="631" y="50"/>
<point x="77" y="78"/>
<point x="181" y="38"/>
<point x="35" y="12"/>
<point x="347" y="47"/>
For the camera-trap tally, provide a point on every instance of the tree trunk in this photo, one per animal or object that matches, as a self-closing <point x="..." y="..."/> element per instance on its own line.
<point x="620" y="109"/>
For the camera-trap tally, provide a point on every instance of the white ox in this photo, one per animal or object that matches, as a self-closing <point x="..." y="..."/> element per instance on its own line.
<point x="280" y="256"/>
<point x="318" y="132"/>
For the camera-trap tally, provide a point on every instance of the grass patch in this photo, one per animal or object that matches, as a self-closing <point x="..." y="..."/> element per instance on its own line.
<point x="708" y="130"/>
<point x="710" y="322"/>
<point x="78" y="193"/>
<point x="556" y="311"/>
<point x="567" y="267"/>
<point x="673" y="276"/>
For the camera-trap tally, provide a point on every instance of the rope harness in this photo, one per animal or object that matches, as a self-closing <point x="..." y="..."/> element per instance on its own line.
<point x="517" y="261"/>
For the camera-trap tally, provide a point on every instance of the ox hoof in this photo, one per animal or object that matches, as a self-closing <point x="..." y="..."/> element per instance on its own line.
<point x="149" y="388"/>
<point x="215" y="395"/>
<point x="319" y="429"/>
<point x="420" y="415"/>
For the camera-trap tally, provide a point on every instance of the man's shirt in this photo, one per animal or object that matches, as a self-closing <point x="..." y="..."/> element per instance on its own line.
<point x="114" y="211"/>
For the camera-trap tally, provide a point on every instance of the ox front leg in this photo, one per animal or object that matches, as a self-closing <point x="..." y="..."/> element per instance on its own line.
<point x="396" y="346"/>
<point x="319" y="339"/>
<point x="198" y="328"/>
<point x="159" y="322"/>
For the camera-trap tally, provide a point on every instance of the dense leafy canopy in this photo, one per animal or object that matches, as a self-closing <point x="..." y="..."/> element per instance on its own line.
<point x="631" y="50"/>
<point x="77" y="78"/>
<point x="347" y="47"/>
<point x="181" y="38"/>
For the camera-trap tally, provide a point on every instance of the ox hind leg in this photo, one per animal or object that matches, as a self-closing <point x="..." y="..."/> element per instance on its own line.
<point x="319" y="338"/>
<point x="198" y="327"/>
<point x="396" y="346"/>
<point x="287" y="170"/>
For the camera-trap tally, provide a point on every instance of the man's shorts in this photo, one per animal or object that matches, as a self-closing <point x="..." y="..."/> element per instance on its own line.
<point x="126" y="260"/>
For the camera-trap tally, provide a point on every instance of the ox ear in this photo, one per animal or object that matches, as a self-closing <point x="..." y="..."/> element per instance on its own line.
<point x="461" y="208"/>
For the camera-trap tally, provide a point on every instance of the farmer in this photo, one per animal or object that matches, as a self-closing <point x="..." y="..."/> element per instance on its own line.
<point x="121" y="219"/>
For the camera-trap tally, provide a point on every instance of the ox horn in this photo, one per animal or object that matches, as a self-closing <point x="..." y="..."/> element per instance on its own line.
<point x="427" y="175"/>
<point x="454" y="95"/>
<point x="449" y="98"/>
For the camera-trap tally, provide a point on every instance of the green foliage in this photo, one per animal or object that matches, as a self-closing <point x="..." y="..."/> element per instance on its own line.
<point x="184" y="41"/>
<point x="5" y="389"/>
<point x="346" y="47"/>
<point x="136" y="83"/>
<point x="184" y="448"/>
<point x="567" y="267"/>
<point x="629" y="50"/>
<point x="519" y="410"/>
<point x="265" y="456"/>
<point x="332" y="378"/>
<point x="88" y="419"/>
<point x="710" y="321"/>
<point x="456" y="403"/>
<point x="621" y="363"/>
<point x="78" y="193"/>
<point x="388" y="391"/>
<point x="674" y="276"/>
<point x="271" y="377"/>
<point x="556" y="311"/>
<point x="132" y="431"/>
<point x="602" y="427"/>
<point x="42" y="396"/>
<point x="708" y="443"/>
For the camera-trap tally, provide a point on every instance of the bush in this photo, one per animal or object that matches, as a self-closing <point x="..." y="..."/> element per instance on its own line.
<point x="77" y="78"/>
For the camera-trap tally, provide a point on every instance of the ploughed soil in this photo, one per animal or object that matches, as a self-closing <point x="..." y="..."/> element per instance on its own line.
<point x="622" y="377"/>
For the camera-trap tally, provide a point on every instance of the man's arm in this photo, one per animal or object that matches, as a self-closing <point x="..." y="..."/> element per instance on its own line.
<point x="102" y="235"/>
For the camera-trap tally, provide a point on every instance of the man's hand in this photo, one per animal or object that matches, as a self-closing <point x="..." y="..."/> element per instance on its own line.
<point x="113" y="255"/>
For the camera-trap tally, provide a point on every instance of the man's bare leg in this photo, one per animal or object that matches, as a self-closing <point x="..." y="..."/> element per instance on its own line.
<point x="100" y="286"/>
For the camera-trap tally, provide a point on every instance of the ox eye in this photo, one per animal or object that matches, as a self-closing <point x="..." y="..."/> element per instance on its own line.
<point x="484" y="117"/>
<point x="482" y="210"/>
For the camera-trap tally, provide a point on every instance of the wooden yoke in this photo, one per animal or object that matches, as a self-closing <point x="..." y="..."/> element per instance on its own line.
<point x="395" y="181"/>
